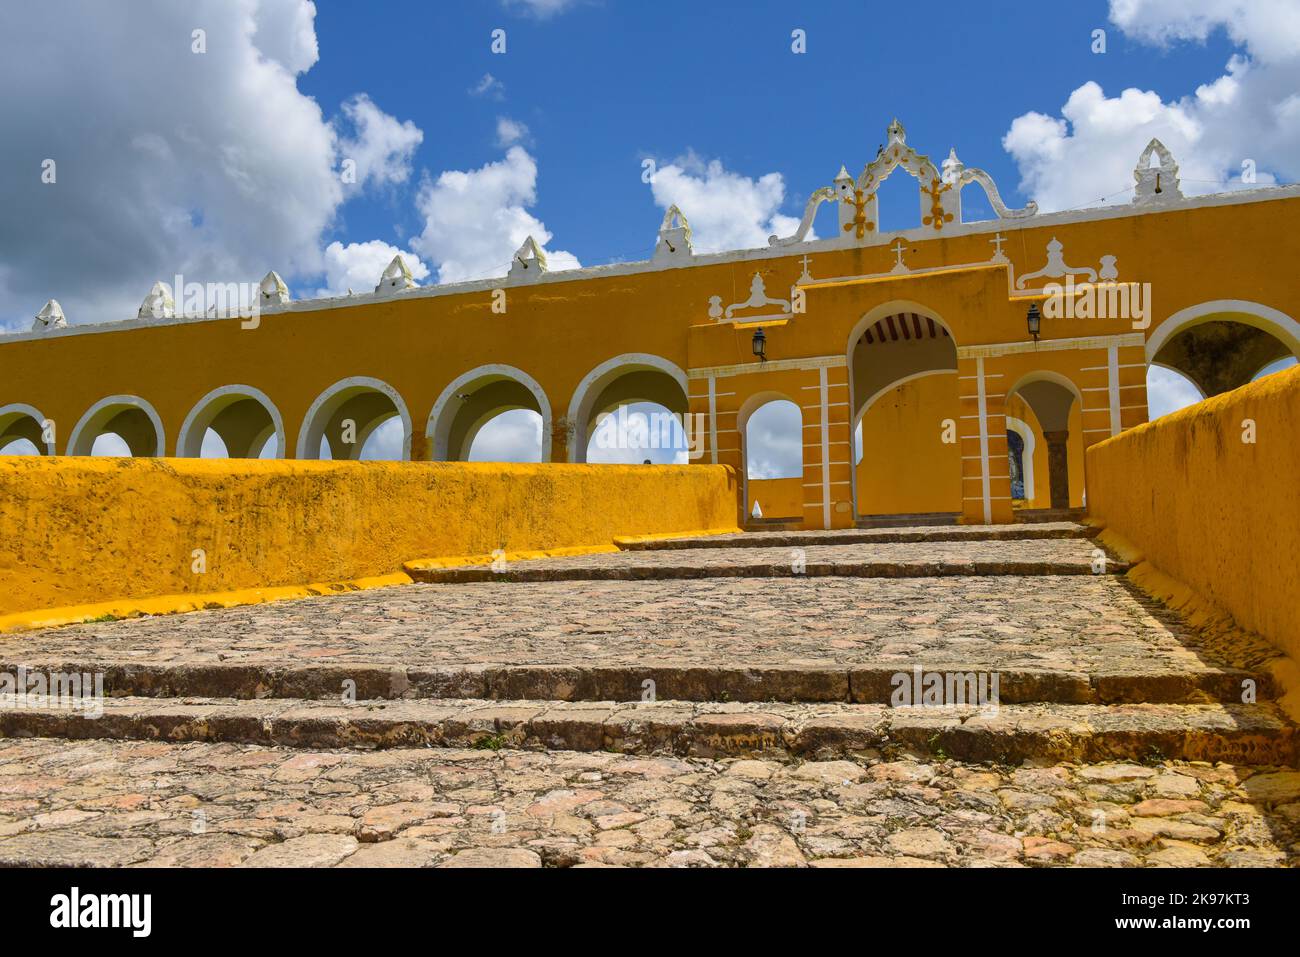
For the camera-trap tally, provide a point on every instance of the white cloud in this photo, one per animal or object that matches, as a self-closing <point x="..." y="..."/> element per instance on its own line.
<point x="514" y="436"/>
<point x="475" y="220"/>
<point x="382" y="146"/>
<point x="541" y="9"/>
<point x="1168" y="391"/>
<point x="489" y="86"/>
<point x="726" y="210"/>
<point x="1250" y="112"/>
<point x="358" y="266"/>
<point x="774" y="441"/>
<point x="510" y="132"/>
<point x="220" y="172"/>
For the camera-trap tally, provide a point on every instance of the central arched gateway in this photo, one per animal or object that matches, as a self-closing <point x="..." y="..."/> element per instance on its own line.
<point x="903" y="376"/>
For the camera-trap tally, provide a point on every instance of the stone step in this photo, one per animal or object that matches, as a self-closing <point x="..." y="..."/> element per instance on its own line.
<point x="1011" y="734"/>
<point x="853" y="536"/>
<point x="908" y="519"/>
<point x="1187" y="682"/>
<point x="926" y="559"/>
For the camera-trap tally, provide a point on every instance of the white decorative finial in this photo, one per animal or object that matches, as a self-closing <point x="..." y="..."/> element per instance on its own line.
<point x="396" y="277"/>
<point x="1156" y="184"/>
<point x="674" y="236"/>
<point x="273" y="289"/>
<point x="159" y="304"/>
<point x="896" y="133"/>
<point x="952" y="167"/>
<point x="50" y="317"/>
<point x="529" y="262"/>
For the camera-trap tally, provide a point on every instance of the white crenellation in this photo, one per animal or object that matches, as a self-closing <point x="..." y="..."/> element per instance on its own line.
<point x="1156" y="183"/>
<point x="529" y="263"/>
<point x="159" y="304"/>
<point x="272" y="290"/>
<point x="674" y="237"/>
<point x="50" y="317"/>
<point x="396" y="278"/>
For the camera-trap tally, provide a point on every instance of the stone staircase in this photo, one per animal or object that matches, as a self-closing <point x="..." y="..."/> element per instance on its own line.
<point x="1093" y="692"/>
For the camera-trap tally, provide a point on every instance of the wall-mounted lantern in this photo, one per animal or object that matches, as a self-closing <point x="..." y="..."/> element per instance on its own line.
<point x="760" y="345"/>
<point x="1035" y="320"/>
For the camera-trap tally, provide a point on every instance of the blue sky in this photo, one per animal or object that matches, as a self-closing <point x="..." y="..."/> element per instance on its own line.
<point x="603" y="85"/>
<point x="223" y="156"/>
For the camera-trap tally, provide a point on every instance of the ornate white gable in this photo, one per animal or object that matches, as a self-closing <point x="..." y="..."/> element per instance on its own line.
<point x="940" y="195"/>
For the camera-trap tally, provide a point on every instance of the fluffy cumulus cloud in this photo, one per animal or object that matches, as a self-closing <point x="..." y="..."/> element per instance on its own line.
<point x="380" y="146"/>
<point x="1250" y="113"/>
<point x="726" y="210"/>
<point x="475" y="220"/>
<point x="220" y="172"/>
<point x="358" y="266"/>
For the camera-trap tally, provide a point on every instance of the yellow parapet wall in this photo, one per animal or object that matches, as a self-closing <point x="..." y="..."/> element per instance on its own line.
<point x="1211" y="497"/>
<point x="75" y="531"/>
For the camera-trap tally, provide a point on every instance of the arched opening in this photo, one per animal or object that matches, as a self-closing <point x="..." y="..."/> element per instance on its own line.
<point x="1222" y="345"/>
<point x="907" y="448"/>
<point x="358" y="418"/>
<point x="494" y="413"/>
<point x="612" y="400"/>
<point x="1022" y="448"/>
<point x="119" y="425"/>
<point x="771" y="434"/>
<point x="512" y="436"/>
<point x="234" y="421"/>
<point x="22" y="431"/>
<point x="1044" y="410"/>
<point x="1277" y="365"/>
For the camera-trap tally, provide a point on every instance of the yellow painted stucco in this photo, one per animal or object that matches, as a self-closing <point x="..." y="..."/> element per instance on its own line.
<point x="82" y="530"/>
<point x="1208" y="510"/>
<point x="907" y="466"/>
<point x="589" y="339"/>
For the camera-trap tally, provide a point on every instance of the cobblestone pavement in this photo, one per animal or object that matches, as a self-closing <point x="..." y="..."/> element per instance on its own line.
<point x="1082" y="624"/>
<point x="875" y="559"/>
<point x="122" y="803"/>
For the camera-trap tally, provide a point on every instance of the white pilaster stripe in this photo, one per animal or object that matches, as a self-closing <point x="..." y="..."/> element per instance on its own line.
<point x="1112" y="360"/>
<point x="826" y="448"/>
<point x="713" y="417"/>
<point x="984" y="443"/>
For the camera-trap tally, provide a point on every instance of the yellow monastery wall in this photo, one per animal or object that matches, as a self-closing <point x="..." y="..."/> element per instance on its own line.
<point x="906" y="467"/>
<point x="1217" y="514"/>
<point x="82" y="530"/>
<point x="778" y="498"/>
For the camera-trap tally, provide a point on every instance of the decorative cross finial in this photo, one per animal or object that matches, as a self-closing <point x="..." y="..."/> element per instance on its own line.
<point x="805" y="276"/>
<point x="898" y="248"/>
<point x="996" y="242"/>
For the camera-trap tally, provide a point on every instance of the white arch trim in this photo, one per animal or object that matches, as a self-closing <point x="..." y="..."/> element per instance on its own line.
<point x="95" y="413"/>
<point x="303" y="451"/>
<point x="892" y="308"/>
<point x="593" y="381"/>
<point x="439" y="436"/>
<point x="1270" y="320"/>
<point x="184" y="438"/>
<point x="1026" y="433"/>
<point x="21" y="408"/>
<point x="1046" y="375"/>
